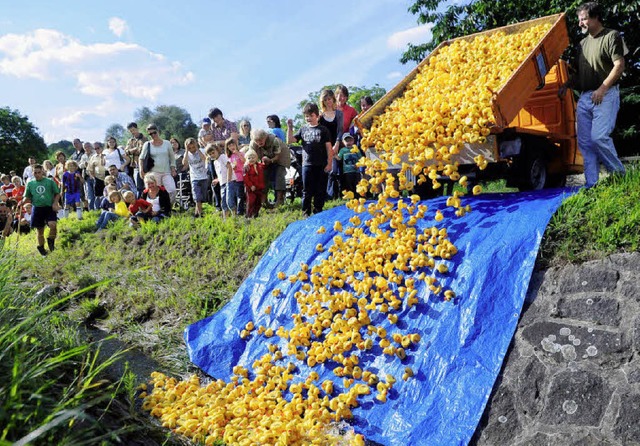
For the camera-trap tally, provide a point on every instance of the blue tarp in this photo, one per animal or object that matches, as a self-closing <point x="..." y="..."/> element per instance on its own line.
<point x="463" y="341"/>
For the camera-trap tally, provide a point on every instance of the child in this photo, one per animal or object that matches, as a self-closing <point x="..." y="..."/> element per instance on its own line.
<point x="6" y="220"/>
<point x="220" y="164"/>
<point x="7" y="185"/>
<point x="18" y="189"/>
<point x="196" y="161"/>
<point x="24" y="220"/>
<point x="235" y="186"/>
<point x="136" y="205"/>
<point x="72" y="182"/>
<point x="205" y="134"/>
<point x="316" y="158"/>
<point x="119" y="211"/>
<point x="253" y="183"/>
<point x="349" y="158"/>
<point x="45" y="196"/>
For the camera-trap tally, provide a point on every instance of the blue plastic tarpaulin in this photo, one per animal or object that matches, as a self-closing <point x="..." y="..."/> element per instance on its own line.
<point x="463" y="341"/>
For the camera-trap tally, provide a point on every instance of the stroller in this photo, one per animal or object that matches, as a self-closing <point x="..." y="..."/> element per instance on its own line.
<point x="184" y="198"/>
<point x="293" y="177"/>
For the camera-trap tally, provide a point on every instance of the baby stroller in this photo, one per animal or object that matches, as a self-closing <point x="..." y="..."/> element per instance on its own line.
<point x="183" y="192"/>
<point x="293" y="177"/>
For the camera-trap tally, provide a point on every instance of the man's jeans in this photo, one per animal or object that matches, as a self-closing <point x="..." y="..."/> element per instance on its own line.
<point x="595" y="124"/>
<point x="90" y="193"/>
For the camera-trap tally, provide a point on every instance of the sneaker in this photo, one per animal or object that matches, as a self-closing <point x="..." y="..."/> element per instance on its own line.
<point x="51" y="242"/>
<point x="42" y="251"/>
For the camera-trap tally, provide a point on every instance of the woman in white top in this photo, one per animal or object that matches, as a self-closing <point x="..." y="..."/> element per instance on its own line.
<point x="115" y="156"/>
<point x="164" y="161"/>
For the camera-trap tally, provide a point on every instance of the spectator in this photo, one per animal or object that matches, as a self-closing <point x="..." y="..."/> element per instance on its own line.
<point x="600" y="65"/>
<point x="316" y="158"/>
<point x="158" y="197"/>
<point x="116" y="155"/>
<point x="88" y="191"/>
<point x="120" y="210"/>
<point x="18" y="188"/>
<point x="235" y="187"/>
<point x="133" y="148"/>
<point x="45" y="196"/>
<point x="97" y="171"/>
<point x="212" y="176"/>
<point x="6" y="219"/>
<point x="222" y="128"/>
<point x="78" y="152"/>
<point x="7" y="185"/>
<point x="205" y="134"/>
<point x="349" y="158"/>
<point x="253" y="183"/>
<point x="122" y="180"/>
<point x="267" y="147"/>
<point x="273" y="121"/>
<point x="348" y="112"/>
<point x="72" y="183"/>
<point x="221" y="166"/>
<point x="49" y="169"/>
<point x="27" y="174"/>
<point x="244" y="137"/>
<point x="61" y="158"/>
<point x="333" y="120"/>
<point x="365" y="103"/>
<point x="196" y="162"/>
<point x="164" y="161"/>
<point x="24" y="219"/>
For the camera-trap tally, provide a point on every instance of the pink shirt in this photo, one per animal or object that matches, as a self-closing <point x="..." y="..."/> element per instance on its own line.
<point x="237" y="164"/>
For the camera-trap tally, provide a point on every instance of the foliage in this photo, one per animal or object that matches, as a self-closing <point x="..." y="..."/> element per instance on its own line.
<point x="63" y="145"/>
<point x="118" y="132"/>
<point x="596" y="222"/>
<point x="171" y="120"/>
<point x="454" y="19"/>
<point x="19" y="140"/>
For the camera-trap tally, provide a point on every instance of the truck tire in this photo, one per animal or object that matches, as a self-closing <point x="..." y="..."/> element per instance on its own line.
<point x="533" y="170"/>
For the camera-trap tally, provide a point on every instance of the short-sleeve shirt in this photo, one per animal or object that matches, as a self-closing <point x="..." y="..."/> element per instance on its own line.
<point x="197" y="166"/>
<point x="115" y="158"/>
<point x="349" y="159"/>
<point x="41" y="192"/>
<point x="349" y="113"/>
<point x="224" y="132"/>
<point x="596" y="57"/>
<point x="221" y="169"/>
<point x="314" y="144"/>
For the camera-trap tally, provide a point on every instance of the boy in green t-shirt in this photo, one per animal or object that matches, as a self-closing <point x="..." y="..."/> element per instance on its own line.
<point x="44" y="194"/>
<point x="349" y="157"/>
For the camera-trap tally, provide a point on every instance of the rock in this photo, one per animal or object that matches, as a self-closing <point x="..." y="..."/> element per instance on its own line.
<point x="588" y="277"/>
<point x="576" y="398"/>
<point x="627" y="426"/>
<point x="501" y="420"/>
<point x="531" y="384"/>
<point x="599" y="310"/>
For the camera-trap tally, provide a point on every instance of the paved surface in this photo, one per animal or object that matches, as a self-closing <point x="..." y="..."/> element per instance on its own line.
<point x="572" y="373"/>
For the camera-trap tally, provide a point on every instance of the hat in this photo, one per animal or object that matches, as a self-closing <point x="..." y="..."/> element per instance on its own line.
<point x="347" y="136"/>
<point x="206" y="121"/>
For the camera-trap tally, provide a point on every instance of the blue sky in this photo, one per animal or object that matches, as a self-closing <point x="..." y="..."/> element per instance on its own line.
<point x="74" y="68"/>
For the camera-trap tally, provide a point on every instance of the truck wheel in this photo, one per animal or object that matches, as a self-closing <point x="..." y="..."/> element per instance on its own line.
<point x="534" y="172"/>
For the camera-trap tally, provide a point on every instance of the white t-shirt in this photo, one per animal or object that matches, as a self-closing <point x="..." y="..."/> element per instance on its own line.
<point x="197" y="166"/>
<point x="113" y="158"/>
<point x="221" y="169"/>
<point x="155" y="203"/>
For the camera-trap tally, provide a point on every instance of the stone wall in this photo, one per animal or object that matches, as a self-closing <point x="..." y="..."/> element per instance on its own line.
<point x="572" y="373"/>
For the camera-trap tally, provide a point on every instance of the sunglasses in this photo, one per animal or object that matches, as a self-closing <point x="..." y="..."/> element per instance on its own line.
<point x="153" y="133"/>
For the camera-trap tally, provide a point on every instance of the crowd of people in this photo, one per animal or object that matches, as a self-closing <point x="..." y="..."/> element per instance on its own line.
<point x="231" y="166"/>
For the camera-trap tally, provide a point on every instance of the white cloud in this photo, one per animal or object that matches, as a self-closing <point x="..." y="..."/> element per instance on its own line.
<point x="394" y="75"/>
<point x="416" y="35"/>
<point x="100" y="69"/>
<point x="118" y="26"/>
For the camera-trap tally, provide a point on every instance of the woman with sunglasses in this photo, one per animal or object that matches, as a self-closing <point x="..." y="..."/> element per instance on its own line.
<point x="164" y="161"/>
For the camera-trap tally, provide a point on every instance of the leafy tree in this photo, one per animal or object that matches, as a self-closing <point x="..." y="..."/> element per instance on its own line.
<point x="170" y="119"/>
<point x="118" y="132"/>
<point x="63" y="144"/>
<point x="19" y="141"/>
<point x="452" y="19"/>
<point x="355" y="93"/>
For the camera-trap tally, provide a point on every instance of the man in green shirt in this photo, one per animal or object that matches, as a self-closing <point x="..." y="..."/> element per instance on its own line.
<point x="44" y="194"/>
<point x="600" y="65"/>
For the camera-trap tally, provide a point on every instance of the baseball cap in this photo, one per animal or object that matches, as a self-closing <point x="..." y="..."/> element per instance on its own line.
<point x="347" y="136"/>
<point x="206" y="121"/>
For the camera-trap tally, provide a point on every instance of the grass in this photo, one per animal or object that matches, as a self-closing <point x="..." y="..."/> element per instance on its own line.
<point x="144" y="286"/>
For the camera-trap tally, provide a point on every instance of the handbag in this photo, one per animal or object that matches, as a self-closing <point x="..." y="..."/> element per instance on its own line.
<point x="147" y="160"/>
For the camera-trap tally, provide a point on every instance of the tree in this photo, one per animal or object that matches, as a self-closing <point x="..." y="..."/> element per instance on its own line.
<point x="171" y="120"/>
<point x="64" y="145"/>
<point x="355" y="93"/>
<point x="118" y="132"/>
<point x="19" y="141"/>
<point x="451" y="20"/>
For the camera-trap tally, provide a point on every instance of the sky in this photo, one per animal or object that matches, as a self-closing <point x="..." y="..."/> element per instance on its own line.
<point x="75" y="68"/>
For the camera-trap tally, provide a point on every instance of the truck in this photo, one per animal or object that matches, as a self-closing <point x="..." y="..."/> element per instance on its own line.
<point x="533" y="142"/>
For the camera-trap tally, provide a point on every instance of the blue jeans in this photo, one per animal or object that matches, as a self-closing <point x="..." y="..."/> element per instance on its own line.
<point x="235" y="190"/>
<point x="139" y="182"/>
<point x="105" y="218"/>
<point x="595" y="124"/>
<point x="90" y="192"/>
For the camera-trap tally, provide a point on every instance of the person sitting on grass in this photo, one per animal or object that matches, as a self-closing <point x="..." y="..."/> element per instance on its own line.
<point x="120" y="210"/>
<point x="122" y="179"/>
<point x="72" y="183"/>
<point x="136" y="205"/>
<point x="158" y="197"/>
<point x="23" y="219"/>
<point x="45" y="196"/>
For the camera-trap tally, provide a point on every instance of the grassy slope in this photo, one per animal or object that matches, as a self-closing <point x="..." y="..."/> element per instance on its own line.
<point x="162" y="277"/>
